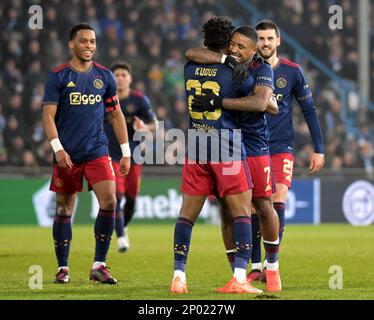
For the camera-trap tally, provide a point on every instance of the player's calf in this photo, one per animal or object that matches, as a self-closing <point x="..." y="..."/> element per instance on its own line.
<point x="182" y="239"/>
<point x="62" y="235"/>
<point x="242" y="236"/>
<point x="256" y="249"/>
<point x="280" y="208"/>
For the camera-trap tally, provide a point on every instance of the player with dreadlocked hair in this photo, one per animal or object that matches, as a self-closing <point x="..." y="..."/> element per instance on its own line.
<point x="205" y="173"/>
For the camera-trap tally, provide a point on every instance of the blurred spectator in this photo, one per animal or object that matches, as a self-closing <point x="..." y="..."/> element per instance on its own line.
<point x="111" y="25"/>
<point x="28" y="159"/>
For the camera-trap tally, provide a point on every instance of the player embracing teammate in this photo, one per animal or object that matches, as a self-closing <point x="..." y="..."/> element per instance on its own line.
<point x="211" y="96"/>
<point x="268" y="139"/>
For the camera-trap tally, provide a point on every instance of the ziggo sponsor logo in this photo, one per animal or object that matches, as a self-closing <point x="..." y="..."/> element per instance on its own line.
<point x="76" y="98"/>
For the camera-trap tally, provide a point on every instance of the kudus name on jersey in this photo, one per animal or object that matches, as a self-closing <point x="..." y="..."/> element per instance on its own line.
<point x="76" y="98"/>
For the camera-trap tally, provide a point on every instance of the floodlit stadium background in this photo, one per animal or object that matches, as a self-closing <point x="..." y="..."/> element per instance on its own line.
<point x="153" y="36"/>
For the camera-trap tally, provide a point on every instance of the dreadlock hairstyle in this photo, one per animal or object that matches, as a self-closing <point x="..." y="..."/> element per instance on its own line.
<point x="217" y="33"/>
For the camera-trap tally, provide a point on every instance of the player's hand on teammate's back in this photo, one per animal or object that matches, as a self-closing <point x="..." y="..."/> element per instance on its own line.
<point x="208" y="101"/>
<point x="317" y="162"/>
<point x="124" y="166"/>
<point x="239" y="71"/>
<point x="63" y="159"/>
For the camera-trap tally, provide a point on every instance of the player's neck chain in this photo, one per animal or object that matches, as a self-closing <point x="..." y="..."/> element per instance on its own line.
<point x="79" y="71"/>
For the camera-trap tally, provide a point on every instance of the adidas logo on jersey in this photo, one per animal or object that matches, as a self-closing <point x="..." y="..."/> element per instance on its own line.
<point x="268" y="188"/>
<point x="71" y="84"/>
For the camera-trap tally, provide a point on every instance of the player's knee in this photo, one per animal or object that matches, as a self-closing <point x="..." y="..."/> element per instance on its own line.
<point x="63" y="210"/>
<point x="262" y="204"/>
<point x="108" y="203"/>
<point x="265" y="209"/>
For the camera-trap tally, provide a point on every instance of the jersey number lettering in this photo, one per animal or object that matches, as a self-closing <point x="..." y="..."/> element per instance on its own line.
<point x="267" y="170"/>
<point x="198" y="86"/>
<point x="287" y="168"/>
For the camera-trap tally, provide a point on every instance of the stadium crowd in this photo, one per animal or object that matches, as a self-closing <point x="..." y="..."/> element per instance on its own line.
<point x="153" y="36"/>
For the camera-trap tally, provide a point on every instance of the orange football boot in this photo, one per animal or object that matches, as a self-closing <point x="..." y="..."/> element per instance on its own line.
<point x="233" y="286"/>
<point x="273" y="281"/>
<point x="177" y="286"/>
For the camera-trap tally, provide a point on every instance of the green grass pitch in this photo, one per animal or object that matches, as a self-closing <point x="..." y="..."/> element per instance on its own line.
<point x="146" y="270"/>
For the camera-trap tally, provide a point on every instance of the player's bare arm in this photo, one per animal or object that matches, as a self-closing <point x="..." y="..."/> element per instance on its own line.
<point x="272" y="108"/>
<point x="206" y="56"/>
<point x="203" y="56"/>
<point x="48" y="119"/>
<point x="257" y="102"/>
<point x="120" y="129"/>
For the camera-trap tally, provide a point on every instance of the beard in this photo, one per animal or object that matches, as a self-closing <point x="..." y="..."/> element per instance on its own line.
<point x="266" y="55"/>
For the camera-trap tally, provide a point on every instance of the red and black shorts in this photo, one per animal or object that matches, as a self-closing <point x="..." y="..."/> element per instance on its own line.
<point x="218" y="178"/>
<point x="128" y="185"/>
<point x="282" y="165"/>
<point x="70" y="180"/>
<point x="261" y="172"/>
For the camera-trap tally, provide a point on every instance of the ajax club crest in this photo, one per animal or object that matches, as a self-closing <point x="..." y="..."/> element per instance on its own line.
<point x="281" y="83"/>
<point x="98" y="83"/>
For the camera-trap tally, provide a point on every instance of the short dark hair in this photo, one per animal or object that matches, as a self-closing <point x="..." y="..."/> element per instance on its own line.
<point x="268" y="25"/>
<point x="121" y="65"/>
<point x="247" y="31"/>
<point x="217" y="33"/>
<point x="77" y="27"/>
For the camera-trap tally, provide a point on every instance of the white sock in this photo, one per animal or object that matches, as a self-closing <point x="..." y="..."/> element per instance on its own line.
<point x="240" y="274"/>
<point x="257" y="266"/>
<point x="97" y="264"/>
<point x="63" y="267"/>
<point x="180" y="274"/>
<point x="272" y="266"/>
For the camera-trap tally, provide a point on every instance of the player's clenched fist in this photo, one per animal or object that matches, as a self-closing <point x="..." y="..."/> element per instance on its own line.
<point x="124" y="165"/>
<point x="63" y="159"/>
